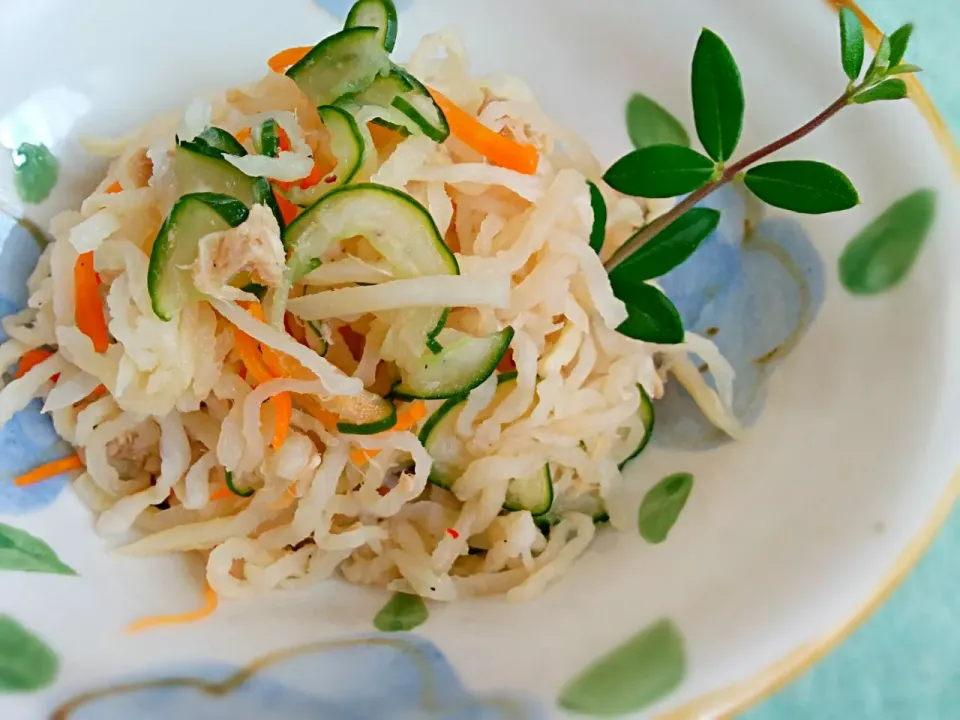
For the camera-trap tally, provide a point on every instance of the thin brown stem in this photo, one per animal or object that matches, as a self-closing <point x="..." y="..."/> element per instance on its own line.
<point x="728" y="174"/>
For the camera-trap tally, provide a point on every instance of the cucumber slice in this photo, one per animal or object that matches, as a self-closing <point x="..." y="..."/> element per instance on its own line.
<point x="255" y="289"/>
<point x="418" y="105"/>
<point x="399" y="227"/>
<point x="439" y="437"/>
<point x="199" y="171"/>
<point x="346" y="62"/>
<point x="263" y="195"/>
<point x="380" y="14"/>
<point x="589" y="504"/>
<point x="365" y="414"/>
<point x="380" y="92"/>
<point x="647" y="416"/>
<point x="456" y="369"/>
<point x="315" y="338"/>
<point x="221" y="141"/>
<point x="405" y="103"/>
<point x="432" y="344"/>
<point x="346" y="145"/>
<point x="266" y="138"/>
<point x="534" y="493"/>
<point x="175" y="249"/>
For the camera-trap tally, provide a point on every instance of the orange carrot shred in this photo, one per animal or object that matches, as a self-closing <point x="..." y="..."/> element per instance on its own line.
<point x="411" y="415"/>
<point x="211" y="600"/>
<point x="242" y="134"/>
<point x="500" y="150"/>
<point x="283" y="411"/>
<point x="318" y="173"/>
<point x="381" y="135"/>
<point x="30" y="359"/>
<point x="255" y="360"/>
<point x="283" y="140"/>
<point x="286" y="59"/>
<point x="115" y="188"/>
<point x="52" y="469"/>
<point x="221" y="493"/>
<point x="288" y="210"/>
<point x="89" y="307"/>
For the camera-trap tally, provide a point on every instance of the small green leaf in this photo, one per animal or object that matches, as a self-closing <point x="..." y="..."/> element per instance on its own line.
<point x="881" y="255"/>
<point x="35" y="172"/>
<point x="19" y="550"/>
<point x="651" y="316"/>
<point x="880" y="62"/>
<point x="644" y="669"/>
<point x="26" y="662"/>
<point x="803" y="186"/>
<point x="899" y="39"/>
<point x="893" y="89"/>
<point x="671" y="246"/>
<point x="662" y="505"/>
<point x="851" y="43"/>
<point x="402" y="612"/>
<point x="904" y="69"/>
<point x="660" y="171"/>
<point x="717" y="96"/>
<point x="598" y="233"/>
<point x="649" y="123"/>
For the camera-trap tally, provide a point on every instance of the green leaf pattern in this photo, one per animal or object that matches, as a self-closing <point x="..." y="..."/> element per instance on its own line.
<point x="19" y="550"/>
<point x="636" y="674"/>
<point x="26" y="662"/>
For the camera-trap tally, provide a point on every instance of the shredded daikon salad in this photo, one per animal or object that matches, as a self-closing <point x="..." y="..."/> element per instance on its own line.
<point x="436" y="402"/>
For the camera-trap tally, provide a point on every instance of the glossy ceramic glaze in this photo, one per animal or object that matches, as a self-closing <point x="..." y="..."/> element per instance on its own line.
<point x="852" y="403"/>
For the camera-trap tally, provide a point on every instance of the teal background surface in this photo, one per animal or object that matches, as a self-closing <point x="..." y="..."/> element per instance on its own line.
<point x="903" y="663"/>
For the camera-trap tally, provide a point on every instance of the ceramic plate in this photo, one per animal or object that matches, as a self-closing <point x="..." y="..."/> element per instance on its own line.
<point x="851" y="402"/>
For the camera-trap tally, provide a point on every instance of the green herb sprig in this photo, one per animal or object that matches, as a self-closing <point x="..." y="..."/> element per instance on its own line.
<point x="663" y="166"/>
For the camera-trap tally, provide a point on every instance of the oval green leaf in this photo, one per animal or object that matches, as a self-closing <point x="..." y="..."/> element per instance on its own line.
<point x="851" y="43"/>
<point x="649" y="123"/>
<point x="644" y="669"/>
<point x="671" y="246"/>
<point x="893" y="89"/>
<point x="19" y="550"/>
<point x="402" y="612"/>
<point x="881" y="255"/>
<point x="651" y="316"/>
<point x="35" y="172"/>
<point x="880" y="62"/>
<point x="661" y="506"/>
<point x="904" y="69"/>
<point x="803" y="186"/>
<point x="899" y="40"/>
<point x="26" y="662"/>
<point x="660" y="171"/>
<point x="598" y="233"/>
<point x="717" y="96"/>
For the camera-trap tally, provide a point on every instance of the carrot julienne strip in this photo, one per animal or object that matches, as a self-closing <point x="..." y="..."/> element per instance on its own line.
<point x="51" y="469"/>
<point x="500" y="150"/>
<point x="286" y="59"/>
<point x="211" y="600"/>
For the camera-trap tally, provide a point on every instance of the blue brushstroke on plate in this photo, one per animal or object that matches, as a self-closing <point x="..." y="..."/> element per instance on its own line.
<point x="340" y="8"/>
<point x="28" y="439"/>
<point x="754" y="287"/>
<point x="388" y="677"/>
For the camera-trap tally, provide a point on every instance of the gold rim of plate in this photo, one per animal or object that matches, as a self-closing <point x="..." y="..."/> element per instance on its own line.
<point x="734" y="699"/>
